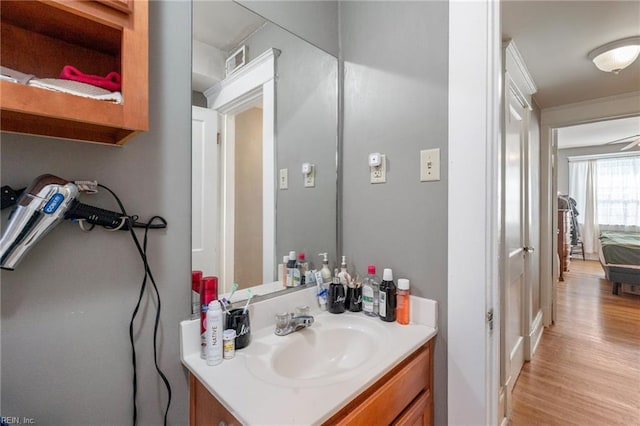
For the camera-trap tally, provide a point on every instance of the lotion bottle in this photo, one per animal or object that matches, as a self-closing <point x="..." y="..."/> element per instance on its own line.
<point x="214" y="333"/>
<point x="345" y="278"/>
<point x="325" y="271"/>
<point x="337" y="296"/>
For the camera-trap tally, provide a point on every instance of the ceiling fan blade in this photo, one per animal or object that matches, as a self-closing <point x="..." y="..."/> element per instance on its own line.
<point x="631" y="145"/>
<point x="622" y="139"/>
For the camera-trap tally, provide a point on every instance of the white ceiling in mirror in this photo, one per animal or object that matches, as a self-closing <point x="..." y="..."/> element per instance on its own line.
<point x="222" y="24"/>
<point x="598" y="133"/>
<point x="218" y="28"/>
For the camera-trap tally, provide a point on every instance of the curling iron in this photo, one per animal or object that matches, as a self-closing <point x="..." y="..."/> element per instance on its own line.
<point x="41" y="207"/>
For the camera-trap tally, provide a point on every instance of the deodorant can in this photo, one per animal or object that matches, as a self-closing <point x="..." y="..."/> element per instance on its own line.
<point x="208" y="293"/>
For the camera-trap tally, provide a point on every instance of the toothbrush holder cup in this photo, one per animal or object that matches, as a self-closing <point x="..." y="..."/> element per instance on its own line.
<point x="239" y="321"/>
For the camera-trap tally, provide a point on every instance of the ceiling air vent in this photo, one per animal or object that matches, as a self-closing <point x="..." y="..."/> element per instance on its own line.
<point x="236" y="60"/>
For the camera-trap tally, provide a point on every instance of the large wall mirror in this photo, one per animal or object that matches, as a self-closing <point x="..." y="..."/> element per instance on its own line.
<point x="265" y="102"/>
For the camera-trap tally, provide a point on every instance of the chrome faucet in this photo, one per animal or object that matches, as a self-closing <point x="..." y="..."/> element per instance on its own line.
<point x="288" y="323"/>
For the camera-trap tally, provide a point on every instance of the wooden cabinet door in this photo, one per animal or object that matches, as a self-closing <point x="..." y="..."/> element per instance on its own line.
<point x="205" y="410"/>
<point x="419" y="413"/>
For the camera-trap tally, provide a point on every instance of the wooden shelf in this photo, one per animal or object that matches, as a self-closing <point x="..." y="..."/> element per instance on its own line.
<point x="41" y="37"/>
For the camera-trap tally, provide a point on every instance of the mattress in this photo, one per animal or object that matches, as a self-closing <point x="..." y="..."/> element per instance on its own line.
<point x="620" y="248"/>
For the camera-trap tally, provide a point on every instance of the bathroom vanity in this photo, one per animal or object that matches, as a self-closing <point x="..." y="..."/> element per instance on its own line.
<point x="403" y="396"/>
<point x="343" y="369"/>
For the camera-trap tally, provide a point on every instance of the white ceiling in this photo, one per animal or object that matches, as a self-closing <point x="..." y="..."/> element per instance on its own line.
<point x="223" y="24"/>
<point x="554" y="38"/>
<point x="598" y="133"/>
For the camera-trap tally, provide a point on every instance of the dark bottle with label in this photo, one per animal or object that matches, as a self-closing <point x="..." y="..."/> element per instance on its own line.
<point x="354" y="295"/>
<point x="337" y="296"/>
<point x="387" y="308"/>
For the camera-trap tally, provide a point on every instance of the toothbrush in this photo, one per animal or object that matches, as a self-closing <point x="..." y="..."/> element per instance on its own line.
<point x="234" y="287"/>
<point x="246" y="306"/>
<point x="224" y="306"/>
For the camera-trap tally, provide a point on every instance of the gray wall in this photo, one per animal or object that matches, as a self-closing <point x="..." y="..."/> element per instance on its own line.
<point x="198" y="99"/>
<point x="563" y="160"/>
<point x="314" y="21"/>
<point x="306" y="131"/>
<point x="395" y="102"/>
<point x="66" y="358"/>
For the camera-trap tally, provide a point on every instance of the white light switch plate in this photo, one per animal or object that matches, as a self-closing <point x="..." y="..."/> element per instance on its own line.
<point x="283" y="179"/>
<point x="429" y="165"/>
<point x="379" y="173"/>
<point x="310" y="178"/>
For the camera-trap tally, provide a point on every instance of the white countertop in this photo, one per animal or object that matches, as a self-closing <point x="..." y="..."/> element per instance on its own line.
<point x="254" y="400"/>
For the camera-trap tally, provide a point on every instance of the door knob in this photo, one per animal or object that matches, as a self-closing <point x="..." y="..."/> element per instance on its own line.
<point x="529" y="249"/>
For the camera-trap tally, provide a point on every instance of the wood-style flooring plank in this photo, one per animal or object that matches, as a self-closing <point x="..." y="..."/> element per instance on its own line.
<point x="586" y="370"/>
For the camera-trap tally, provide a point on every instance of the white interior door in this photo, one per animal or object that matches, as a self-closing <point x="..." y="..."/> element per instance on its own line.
<point x="512" y="335"/>
<point x="204" y="190"/>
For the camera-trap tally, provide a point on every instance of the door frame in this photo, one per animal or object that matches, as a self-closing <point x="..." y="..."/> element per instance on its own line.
<point x="600" y="109"/>
<point x="473" y="180"/>
<point x="240" y="90"/>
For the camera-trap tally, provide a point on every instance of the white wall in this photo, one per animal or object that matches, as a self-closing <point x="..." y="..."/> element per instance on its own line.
<point x="66" y="358"/>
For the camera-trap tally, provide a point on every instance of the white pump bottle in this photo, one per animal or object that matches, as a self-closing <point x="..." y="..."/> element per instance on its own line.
<point x="325" y="271"/>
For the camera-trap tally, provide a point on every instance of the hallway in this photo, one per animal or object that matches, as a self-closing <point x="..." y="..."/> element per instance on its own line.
<point x="586" y="370"/>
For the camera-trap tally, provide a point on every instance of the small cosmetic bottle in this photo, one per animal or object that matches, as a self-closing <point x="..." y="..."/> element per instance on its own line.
<point x="403" y="311"/>
<point x="229" y="343"/>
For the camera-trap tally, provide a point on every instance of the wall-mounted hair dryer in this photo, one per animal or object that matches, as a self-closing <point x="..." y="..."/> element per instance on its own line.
<point x="43" y="205"/>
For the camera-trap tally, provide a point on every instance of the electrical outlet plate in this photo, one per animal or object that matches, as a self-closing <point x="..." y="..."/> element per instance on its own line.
<point x="310" y="178"/>
<point x="283" y="179"/>
<point x="378" y="174"/>
<point x="429" y="165"/>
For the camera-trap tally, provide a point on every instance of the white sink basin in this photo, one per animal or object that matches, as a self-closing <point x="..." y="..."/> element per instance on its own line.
<point x="332" y="349"/>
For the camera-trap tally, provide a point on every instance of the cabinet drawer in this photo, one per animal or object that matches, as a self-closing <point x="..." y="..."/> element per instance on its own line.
<point x="391" y="395"/>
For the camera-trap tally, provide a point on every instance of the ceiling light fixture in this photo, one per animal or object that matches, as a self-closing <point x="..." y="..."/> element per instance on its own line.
<point x="617" y="55"/>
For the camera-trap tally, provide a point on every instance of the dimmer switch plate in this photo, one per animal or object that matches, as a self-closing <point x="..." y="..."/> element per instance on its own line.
<point x="379" y="173"/>
<point x="283" y="179"/>
<point x="429" y="165"/>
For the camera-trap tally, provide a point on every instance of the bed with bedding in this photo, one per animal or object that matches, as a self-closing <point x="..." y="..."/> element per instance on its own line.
<point x="620" y="258"/>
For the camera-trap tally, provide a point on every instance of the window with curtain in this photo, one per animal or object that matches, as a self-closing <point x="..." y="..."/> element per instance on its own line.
<point x="618" y="191"/>
<point x="607" y="194"/>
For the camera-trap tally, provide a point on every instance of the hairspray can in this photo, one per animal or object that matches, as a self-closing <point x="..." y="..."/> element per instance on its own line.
<point x="208" y="293"/>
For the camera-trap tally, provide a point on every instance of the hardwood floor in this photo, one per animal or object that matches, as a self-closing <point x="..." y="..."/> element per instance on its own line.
<point x="586" y="370"/>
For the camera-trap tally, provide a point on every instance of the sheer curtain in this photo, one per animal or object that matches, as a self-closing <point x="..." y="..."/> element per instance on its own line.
<point x="607" y="194"/>
<point x="583" y="178"/>
<point x="618" y="188"/>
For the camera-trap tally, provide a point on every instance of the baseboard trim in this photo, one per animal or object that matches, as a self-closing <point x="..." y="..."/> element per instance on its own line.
<point x="502" y="409"/>
<point x="532" y="340"/>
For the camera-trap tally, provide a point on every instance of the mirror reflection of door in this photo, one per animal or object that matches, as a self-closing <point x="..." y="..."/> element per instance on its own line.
<point x="205" y="197"/>
<point x="248" y="198"/>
